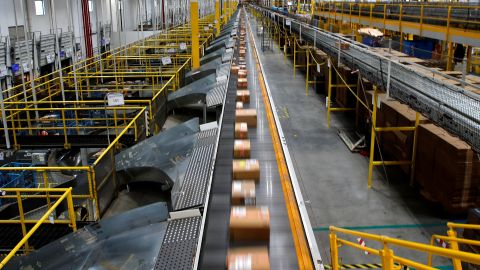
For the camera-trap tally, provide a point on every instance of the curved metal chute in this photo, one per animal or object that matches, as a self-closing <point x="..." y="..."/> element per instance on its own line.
<point x="131" y="240"/>
<point x="162" y="158"/>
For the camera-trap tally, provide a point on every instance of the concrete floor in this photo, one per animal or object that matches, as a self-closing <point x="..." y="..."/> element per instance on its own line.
<point x="334" y="180"/>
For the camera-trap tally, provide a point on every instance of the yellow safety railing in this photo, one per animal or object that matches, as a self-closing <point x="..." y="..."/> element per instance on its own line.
<point x="452" y="240"/>
<point x="389" y="260"/>
<point x="54" y="197"/>
<point x="65" y="121"/>
<point x="99" y="176"/>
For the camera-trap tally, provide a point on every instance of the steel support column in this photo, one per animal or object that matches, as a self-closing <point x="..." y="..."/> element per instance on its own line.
<point x="217" y="16"/>
<point x="195" y="41"/>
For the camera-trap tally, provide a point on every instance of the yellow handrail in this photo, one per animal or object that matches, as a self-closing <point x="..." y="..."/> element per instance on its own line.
<point x="67" y="194"/>
<point x="387" y="255"/>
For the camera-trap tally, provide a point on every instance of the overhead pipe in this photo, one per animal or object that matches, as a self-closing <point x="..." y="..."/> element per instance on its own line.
<point x="87" y="29"/>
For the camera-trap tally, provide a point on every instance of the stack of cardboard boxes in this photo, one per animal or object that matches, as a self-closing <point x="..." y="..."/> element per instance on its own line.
<point x="447" y="170"/>
<point x="249" y="224"/>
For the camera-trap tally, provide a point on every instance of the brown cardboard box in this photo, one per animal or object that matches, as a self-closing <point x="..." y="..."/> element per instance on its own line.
<point x="239" y="105"/>
<point x="235" y="69"/>
<point x="241" y="149"/>
<point x="243" y="96"/>
<point x="447" y="169"/>
<point x="248" y="116"/>
<point x="242" y="67"/>
<point x="243" y="192"/>
<point x="241" y="130"/>
<point x="242" y="74"/>
<point x="242" y="53"/>
<point x="249" y="223"/>
<point x="242" y="83"/>
<point x="343" y="45"/>
<point x="246" y="169"/>
<point x="248" y="258"/>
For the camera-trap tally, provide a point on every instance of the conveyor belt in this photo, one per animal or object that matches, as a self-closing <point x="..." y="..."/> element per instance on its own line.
<point x="449" y="106"/>
<point x="268" y="190"/>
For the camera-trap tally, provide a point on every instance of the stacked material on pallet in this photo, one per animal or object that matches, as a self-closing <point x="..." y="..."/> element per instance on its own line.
<point x="344" y="96"/>
<point x="397" y="145"/>
<point x="447" y="169"/>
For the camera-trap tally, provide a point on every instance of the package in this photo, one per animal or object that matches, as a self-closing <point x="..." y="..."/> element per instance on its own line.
<point x="248" y="116"/>
<point x="243" y="96"/>
<point x="241" y="130"/>
<point x="248" y="258"/>
<point x="246" y="169"/>
<point x="242" y="67"/>
<point x="242" y="74"/>
<point x="242" y="83"/>
<point x="241" y="149"/>
<point x="343" y="45"/>
<point x="243" y="192"/>
<point x="242" y="53"/>
<point x="249" y="224"/>
<point x="235" y="69"/>
<point x="239" y="105"/>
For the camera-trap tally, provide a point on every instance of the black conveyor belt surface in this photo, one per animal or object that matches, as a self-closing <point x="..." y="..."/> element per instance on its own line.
<point x="268" y="191"/>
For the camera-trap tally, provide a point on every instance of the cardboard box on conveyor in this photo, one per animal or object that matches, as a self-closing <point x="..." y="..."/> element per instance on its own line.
<point x="249" y="224"/>
<point x="243" y="192"/>
<point x="248" y="258"/>
<point x="248" y="116"/>
<point x="241" y="149"/>
<point x="241" y="130"/>
<point x="246" y="169"/>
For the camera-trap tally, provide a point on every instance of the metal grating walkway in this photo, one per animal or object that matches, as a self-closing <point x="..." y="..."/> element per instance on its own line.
<point x="193" y="188"/>
<point x="179" y="245"/>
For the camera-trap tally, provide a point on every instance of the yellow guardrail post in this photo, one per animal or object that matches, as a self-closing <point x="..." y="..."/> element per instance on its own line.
<point x="333" y="250"/>
<point x="373" y="135"/>
<point x="71" y="211"/>
<point x="66" y="144"/>
<point x="46" y="185"/>
<point x="21" y="215"/>
<point x="457" y="264"/>
<point x="329" y="91"/>
<point x="387" y="257"/>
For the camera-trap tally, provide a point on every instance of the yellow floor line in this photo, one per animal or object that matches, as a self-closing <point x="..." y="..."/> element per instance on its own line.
<point x="298" y="234"/>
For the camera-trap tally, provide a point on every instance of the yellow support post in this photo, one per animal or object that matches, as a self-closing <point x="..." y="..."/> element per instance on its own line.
<point x="373" y="134"/>
<point x="21" y="215"/>
<point x="217" y="16"/>
<point x="334" y="250"/>
<point x="306" y="75"/>
<point x="457" y="264"/>
<point x="450" y="56"/>
<point x="195" y="41"/>
<point x="414" y="150"/>
<point x="329" y="91"/>
<point x="387" y="257"/>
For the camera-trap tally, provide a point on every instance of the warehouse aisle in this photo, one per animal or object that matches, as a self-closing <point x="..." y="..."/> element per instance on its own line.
<point x="334" y="180"/>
